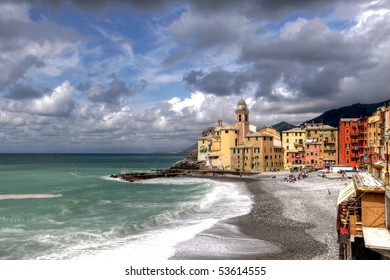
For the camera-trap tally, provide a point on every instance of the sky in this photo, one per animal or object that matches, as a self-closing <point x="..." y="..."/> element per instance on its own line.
<point x="134" y="76"/>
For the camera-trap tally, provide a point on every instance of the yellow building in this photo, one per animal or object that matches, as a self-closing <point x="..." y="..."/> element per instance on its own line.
<point x="239" y="147"/>
<point x="375" y="131"/>
<point x="327" y="137"/>
<point x="258" y="154"/>
<point x="214" y="146"/>
<point x="224" y="138"/>
<point x="293" y="142"/>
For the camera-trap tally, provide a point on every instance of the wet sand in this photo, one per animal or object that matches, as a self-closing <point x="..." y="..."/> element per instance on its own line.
<point x="288" y="221"/>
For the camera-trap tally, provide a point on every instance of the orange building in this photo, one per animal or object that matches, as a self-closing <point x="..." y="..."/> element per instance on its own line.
<point x="348" y="142"/>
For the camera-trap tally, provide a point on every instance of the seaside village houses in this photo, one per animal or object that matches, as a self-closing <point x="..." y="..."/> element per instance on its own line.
<point x="359" y="144"/>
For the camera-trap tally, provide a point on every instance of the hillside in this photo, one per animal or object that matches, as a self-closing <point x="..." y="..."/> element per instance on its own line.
<point x="332" y="117"/>
<point x="282" y="126"/>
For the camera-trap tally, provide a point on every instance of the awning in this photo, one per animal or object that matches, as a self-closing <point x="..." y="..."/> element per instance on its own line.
<point x="379" y="165"/>
<point x="345" y="192"/>
<point x="377" y="239"/>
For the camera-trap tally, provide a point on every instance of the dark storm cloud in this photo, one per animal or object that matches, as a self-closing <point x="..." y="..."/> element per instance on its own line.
<point x="272" y="10"/>
<point x="21" y="91"/>
<point x="311" y="61"/>
<point x="12" y="30"/>
<point x="12" y="72"/>
<point x="102" y="5"/>
<point x="116" y="90"/>
<point x="219" y="82"/>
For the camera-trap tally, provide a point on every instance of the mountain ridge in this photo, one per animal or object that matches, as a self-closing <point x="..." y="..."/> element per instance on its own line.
<point x="332" y="117"/>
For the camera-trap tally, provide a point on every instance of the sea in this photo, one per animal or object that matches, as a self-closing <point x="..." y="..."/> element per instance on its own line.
<point x="66" y="207"/>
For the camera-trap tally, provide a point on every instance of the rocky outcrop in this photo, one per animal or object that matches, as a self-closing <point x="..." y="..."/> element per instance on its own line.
<point x="131" y="177"/>
<point x="188" y="164"/>
<point x="182" y="167"/>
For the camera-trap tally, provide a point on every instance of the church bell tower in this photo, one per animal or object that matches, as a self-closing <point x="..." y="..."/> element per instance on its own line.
<point x="242" y="120"/>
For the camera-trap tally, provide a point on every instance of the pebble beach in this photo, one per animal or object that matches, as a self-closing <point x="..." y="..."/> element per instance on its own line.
<point x="288" y="221"/>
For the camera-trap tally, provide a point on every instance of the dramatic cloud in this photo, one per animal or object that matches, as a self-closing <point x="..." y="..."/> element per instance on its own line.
<point x="56" y="103"/>
<point x="14" y="71"/>
<point x="136" y="75"/>
<point x="219" y="82"/>
<point x="116" y="90"/>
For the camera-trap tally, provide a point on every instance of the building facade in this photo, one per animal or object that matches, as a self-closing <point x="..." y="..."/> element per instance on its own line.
<point x="240" y="147"/>
<point x="294" y="150"/>
<point x="348" y="142"/>
<point x="313" y="145"/>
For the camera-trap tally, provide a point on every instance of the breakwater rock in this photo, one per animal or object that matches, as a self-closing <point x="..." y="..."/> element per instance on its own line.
<point x="181" y="167"/>
<point x="188" y="164"/>
<point x="131" y="177"/>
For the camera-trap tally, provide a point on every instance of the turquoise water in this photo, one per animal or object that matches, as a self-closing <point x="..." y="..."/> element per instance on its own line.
<point x="82" y="213"/>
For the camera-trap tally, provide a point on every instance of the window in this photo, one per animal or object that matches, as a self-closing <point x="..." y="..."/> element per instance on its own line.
<point x="239" y="117"/>
<point x="347" y="131"/>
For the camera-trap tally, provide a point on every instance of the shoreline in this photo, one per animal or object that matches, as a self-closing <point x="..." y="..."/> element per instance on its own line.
<point x="287" y="221"/>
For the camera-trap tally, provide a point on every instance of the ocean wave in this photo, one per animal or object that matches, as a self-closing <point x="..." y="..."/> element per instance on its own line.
<point x="176" y="181"/>
<point x="109" y="178"/>
<point x="28" y="196"/>
<point x="206" y="203"/>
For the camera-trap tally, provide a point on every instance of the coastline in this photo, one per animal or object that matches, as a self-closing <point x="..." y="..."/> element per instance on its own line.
<point x="288" y="221"/>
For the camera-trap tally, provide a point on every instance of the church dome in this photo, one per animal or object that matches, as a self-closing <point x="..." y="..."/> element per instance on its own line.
<point x="241" y="106"/>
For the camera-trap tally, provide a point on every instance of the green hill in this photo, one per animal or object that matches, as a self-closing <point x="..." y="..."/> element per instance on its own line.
<point x="332" y="117"/>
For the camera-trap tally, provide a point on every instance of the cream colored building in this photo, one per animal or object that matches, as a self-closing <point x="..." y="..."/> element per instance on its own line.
<point x="239" y="147"/>
<point x="293" y="142"/>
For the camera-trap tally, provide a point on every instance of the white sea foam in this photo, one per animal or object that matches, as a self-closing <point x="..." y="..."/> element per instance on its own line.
<point x="27" y="196"/>
<point x="109" y="178"/>
<point x="160" y="235"/>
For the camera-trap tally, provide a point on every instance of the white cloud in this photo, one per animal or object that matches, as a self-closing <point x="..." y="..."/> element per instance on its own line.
<point x="195" y="102"/>
<point x="56" y="103"/>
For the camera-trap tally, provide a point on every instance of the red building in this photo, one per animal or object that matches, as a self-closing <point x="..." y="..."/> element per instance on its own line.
<point x="313" y="152"/>
<point x="296" y="157"/>
<point x="354" y="150"/>
<point x="349" y="142"/>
